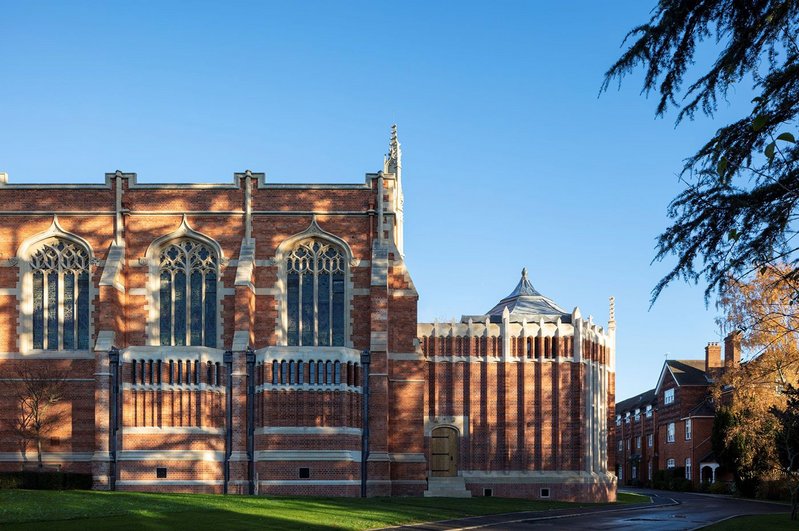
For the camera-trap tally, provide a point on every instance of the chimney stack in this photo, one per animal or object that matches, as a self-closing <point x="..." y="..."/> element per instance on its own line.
<point x="713" y="357"/>
<point x="732" y="350"/>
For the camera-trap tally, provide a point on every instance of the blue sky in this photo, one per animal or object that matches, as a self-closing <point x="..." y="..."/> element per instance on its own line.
<point x="510" y="158"/>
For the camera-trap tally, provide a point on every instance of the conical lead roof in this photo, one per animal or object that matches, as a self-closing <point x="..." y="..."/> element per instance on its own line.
<point x="525" y="302"/>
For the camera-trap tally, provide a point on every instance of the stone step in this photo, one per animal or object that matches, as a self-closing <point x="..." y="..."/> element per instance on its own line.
<point x="447" y="493"/>
<point x="446" y="481"/>
<point x="447" y="487"/>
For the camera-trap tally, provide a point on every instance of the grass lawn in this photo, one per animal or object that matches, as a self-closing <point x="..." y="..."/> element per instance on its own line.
<point x="85" y="510"/>
<point x="772" y="522"/>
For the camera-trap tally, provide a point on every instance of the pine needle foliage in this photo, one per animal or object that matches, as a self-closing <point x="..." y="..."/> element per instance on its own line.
<point x="738" y="211"/>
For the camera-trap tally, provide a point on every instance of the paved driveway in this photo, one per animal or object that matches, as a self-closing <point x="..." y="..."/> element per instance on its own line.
<point x="669" y="511"/>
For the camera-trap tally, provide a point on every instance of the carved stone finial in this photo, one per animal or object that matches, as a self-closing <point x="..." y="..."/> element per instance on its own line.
<point x="394" y="161"/>
<point x="612" y="310"/>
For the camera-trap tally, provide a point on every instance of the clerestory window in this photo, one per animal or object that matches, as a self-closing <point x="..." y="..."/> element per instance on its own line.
<point x="60" y="278"/>
<point x="315" y="275"/>
<point x="188" y="300"/>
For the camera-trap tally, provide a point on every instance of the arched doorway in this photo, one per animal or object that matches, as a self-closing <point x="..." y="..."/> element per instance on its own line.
<point x="444" y="452"/>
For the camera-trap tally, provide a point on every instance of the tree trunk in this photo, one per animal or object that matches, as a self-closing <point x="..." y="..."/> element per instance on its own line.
<point x="39" y="452"/>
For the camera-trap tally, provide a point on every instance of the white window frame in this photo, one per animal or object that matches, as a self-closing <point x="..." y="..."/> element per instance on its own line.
<point x="638" y="442"/>
<point x="670" y="432"/>
<point x="671" y="463"/>
<point x="637" y="415"/>
<point x="648" y="411"/>
<point x="649" y="471"/>
<point x="668" y="396"/>
<point x="688" y="429"/>
<point x="650" y="440"/>
<point x="620" y="446"/>
<point x="25" y="285"/>
<point x="688" y="468"/>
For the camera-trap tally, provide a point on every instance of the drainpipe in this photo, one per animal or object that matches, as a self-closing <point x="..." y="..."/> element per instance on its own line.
<point x="365" y="359"/>
<point x="113" y="357"/>
<point x="251" y="418"/>
<point x="228" y="362"/>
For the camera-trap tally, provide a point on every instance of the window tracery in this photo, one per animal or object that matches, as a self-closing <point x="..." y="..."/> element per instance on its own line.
<point x="188" y="273"/>
<point x="60" y="278"/>
<point x="315" y="294"/>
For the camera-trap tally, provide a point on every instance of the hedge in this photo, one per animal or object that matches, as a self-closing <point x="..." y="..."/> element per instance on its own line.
<point x="35" y="480"/>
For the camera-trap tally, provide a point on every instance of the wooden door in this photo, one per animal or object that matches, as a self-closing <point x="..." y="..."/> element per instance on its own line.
<point x="444" y="452"/>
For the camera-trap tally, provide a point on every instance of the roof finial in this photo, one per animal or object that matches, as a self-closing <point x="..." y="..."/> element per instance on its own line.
<point x="524" y="273"/>
<point x="394" y="162"/>
<point x="612" y="318"/>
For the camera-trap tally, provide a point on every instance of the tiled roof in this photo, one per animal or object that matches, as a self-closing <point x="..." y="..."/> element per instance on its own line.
<point x="638" y="401"/>
<point x="688" y="372"/>
<point x="703" y="409"/>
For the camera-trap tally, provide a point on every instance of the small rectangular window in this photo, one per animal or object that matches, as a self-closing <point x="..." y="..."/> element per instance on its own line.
<point x="670" y="432"/>
<point x="305" y="473"/>
<point x="544" y="493"/>
<point x="160" y="472"/>
<point x="668" y="397"/>
<point x="688" y="429"/>
<point x="488" y="492"/>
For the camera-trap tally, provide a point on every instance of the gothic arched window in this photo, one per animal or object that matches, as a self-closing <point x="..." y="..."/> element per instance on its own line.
<point x="188" y="277"/>
<point x="315" y="294"/>
<point x="60" y="277"/>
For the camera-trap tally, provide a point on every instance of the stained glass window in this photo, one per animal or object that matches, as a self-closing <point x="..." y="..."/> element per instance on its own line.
<point x="188" y="274"/>
<point x="60" y="304"/>
<point x="315" y="294"/>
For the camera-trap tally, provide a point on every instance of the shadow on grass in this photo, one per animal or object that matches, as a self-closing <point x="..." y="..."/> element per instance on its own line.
<point x="188" y="520"/>
<point x="85" y="510"/>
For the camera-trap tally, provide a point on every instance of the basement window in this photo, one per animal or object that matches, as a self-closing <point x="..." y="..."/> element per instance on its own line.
<point x="305" y="473"/>
<point x="160" y="472"/>
<point x="488" y="492"/>
<point x="544" y="493"/>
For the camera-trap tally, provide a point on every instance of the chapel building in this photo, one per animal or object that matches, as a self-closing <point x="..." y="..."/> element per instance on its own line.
<point x="262" y="338"/>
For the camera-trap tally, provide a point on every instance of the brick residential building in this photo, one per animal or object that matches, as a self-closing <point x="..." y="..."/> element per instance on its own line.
<point x="673" y="422"/>
<point x="262" y="338"/>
